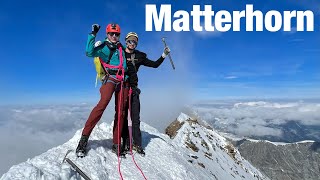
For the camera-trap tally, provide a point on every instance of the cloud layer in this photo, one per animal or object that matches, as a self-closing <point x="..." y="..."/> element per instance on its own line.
<point x="285" y="121"/>
<point x="29" y="131"/>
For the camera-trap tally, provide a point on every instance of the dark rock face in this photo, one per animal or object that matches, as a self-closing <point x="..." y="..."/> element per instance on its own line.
<point x="281" y="162"/>
<point x="173" y="128"/>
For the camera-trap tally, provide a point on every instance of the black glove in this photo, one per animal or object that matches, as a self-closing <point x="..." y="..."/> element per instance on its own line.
<point x="95" y="29"/>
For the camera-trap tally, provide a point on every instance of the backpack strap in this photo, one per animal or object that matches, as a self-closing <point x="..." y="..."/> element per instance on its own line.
<point x="111" y="54"/>
<point x="105" y="65"/>
<point x="111" y="47"/>
<point x="119" y="67"/>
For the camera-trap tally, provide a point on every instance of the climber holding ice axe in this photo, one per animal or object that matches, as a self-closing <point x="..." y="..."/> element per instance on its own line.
<point x="136" y="59"/>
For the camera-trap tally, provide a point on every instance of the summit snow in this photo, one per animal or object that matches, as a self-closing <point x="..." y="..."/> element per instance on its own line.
<point x="196" y="152"/>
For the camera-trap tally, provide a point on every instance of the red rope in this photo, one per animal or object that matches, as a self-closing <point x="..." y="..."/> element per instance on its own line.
<point x="119" y="118"/>
<point x="130" y="133"/>
<point x="120" y="104"/>
<point x="120" y="108"/>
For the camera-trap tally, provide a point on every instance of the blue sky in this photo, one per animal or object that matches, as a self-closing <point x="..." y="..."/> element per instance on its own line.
<point x="43" y="53"/>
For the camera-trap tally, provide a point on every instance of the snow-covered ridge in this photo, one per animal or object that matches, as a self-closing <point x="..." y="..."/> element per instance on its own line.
<point x="196" y="152"/>
<point x="235" y="138"/>
<point x="183" y="117"/>
<point x="213" y="153"/>
<point x="280" y="143"/>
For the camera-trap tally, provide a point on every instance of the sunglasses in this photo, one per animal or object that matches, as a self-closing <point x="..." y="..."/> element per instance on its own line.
<point x="114" y="33"/>
<point x="132" y="42"/>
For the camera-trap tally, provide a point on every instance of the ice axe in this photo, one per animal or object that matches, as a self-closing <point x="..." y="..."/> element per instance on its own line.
<point x="75" y="166"/>
<point x="165" y="45"/>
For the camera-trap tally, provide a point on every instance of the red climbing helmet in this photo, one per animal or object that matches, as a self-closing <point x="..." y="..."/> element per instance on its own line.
<point x="113" y="28"/>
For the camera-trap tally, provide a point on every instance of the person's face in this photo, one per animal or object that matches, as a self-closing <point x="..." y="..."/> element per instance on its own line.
<point x="131" y="44"/>
<point x="113" y="37"/>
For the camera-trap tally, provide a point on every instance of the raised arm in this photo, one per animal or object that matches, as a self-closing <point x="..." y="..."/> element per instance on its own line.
<point x="149" y="63"/>
<point x="91" y="51"/>
<point x="155" y="64"/>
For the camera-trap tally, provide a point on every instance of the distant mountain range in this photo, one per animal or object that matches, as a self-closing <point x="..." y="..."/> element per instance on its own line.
<point x="283" y="161"/>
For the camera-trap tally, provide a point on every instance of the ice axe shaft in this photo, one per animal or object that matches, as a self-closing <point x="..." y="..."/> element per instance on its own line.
<point x="82" y="174"/>
<point x="77" y="169"/>
<point x="165" y="45"/>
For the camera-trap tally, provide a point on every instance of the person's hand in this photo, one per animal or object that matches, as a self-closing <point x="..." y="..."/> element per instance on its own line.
<point x="95" y="29"/>
<point x="166" y="51"/>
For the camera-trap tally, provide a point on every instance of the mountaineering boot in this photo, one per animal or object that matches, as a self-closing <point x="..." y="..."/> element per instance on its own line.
<point x="81" y="149"/>
<point x="115" y="148"/>
<point x="139" y="150"/>
<point x="126" y="146"/>
<point x="125" y="149"/>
